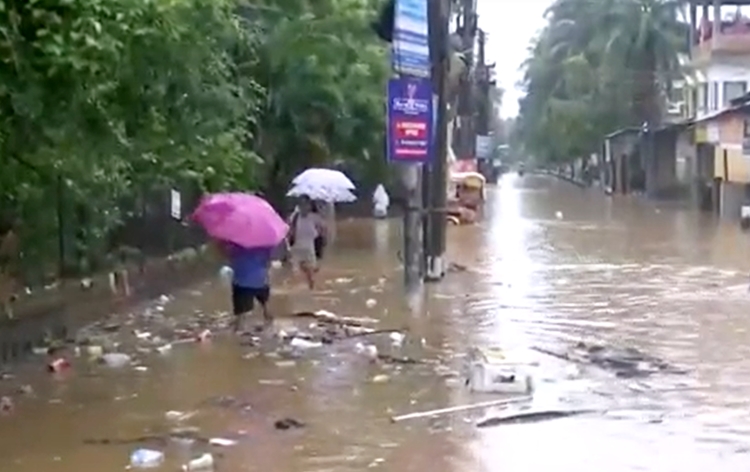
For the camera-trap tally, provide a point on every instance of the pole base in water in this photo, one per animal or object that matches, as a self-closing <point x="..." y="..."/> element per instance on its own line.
<point x="435" y="270"/>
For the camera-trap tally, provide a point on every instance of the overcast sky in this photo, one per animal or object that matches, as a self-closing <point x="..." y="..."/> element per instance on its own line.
<point x="510" y="25"/>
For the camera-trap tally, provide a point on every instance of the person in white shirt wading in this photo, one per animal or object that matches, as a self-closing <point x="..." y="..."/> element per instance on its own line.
<point x="307" y="226"/>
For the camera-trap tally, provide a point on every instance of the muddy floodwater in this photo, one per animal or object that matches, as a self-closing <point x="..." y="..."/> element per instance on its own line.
<point x="550" y="265"/>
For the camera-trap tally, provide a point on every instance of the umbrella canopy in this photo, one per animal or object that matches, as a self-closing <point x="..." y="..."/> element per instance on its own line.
<point x="322" y="193"/>
<point x="326" y="178"/>
<point x="244" y="219"/>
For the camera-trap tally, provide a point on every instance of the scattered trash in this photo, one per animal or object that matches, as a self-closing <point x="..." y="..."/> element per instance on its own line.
<point x="115" y="359"/>
<point x="58" y="365"/>
<point x="6" y="405"/>
<point x="300" y="343"/>
<point x="368" y="350"/>
<point x="371" y="302"/>
<point x="204" y="336"/>
<point x="226" y="273"/>
<point x="222" y="442"/>
<point x="165" y="349"/>
<point x="174" y="415"/>
<point x="397" y="339"/>
<point x="40" y="350"/>
<point x="380" y="378"/>
<point x="288" y="423"/>
<point x="202" y="463"/>
<point x="325" y="316"/>
<point x="94" y="351"/>
<point x="146" y="458"/>
<point x="287" y="363"/>
<point x="559" y="215"/>
<point x="142" y="334"/>
<point x="489" y="371"/>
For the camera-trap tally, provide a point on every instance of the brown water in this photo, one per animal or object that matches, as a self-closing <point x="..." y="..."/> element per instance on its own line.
<point x="670" y="282"/>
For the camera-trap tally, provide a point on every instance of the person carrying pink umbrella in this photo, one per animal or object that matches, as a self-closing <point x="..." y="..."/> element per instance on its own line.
<point x="248" y="230"/>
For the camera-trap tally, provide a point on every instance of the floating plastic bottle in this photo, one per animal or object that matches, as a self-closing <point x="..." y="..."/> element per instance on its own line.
<point x="226" y="273"/>
<point x="203" y="463"/>
<point x="146" y="459"/>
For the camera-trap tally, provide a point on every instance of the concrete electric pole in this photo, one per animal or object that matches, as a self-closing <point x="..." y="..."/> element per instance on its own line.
<point x="467" y="30"/>
<point x="435" y="176"/>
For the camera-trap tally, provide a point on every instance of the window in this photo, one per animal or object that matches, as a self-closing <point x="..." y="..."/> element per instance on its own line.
<point x="733" y="90"/>
<point x="714" y="96"/>
<point x="702" y="102"/>
<point x="693" y="101"/>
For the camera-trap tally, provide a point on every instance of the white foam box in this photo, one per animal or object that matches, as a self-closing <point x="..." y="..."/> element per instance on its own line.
<point x="490" y="371"/>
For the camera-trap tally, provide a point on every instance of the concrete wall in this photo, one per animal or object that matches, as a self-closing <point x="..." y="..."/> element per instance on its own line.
<point x="661" y="176"/>
<point x="732" y="196"/>
<point x="686" y="165"/>
<point x="619" y="148"/>
<point x="726" y="132"/>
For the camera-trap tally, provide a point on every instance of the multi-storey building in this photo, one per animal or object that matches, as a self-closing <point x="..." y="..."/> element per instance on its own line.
<point x="718" y="73"/>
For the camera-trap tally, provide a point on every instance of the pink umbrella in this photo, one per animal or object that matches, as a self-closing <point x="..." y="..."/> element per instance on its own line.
<point x="241" y="218"/>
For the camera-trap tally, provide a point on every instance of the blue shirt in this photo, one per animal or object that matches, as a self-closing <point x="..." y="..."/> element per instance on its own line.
<point x="250" y="266"/>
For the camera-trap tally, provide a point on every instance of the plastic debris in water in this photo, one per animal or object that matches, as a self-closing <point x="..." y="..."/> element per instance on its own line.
<point x="202" y="463"/>
<point x="368" y="350"/>
<point x="58" y="365"/>
<point x="6" y="405"/>
<point x="175" y="415"/>
<point x="116" y="359"/>
<point x="397" y="338"/>
<point x="559" y="215"/>
<point x="300" y="343"/>
<point x="226" y="273"/>
<point x="165" y="349"/>
<point x="146" y="458"/>
<point x="204" y="336"/>
<point x="371" y="302"/>
<point x="288" y="423"/>
<point x="223" y="442"/>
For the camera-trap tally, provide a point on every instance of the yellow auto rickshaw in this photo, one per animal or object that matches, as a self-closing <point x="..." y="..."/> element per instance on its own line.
<point x="466" y="197"/>
<point x="470" y="189"/>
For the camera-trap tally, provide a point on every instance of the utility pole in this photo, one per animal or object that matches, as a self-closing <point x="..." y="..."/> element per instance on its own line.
<point x="410" y="173"/>
<point x="411" y="176"/>
<point x="483" y="69"/>
<point x="434" y="186"/>
<point x="467" y="30"/>
<point x="483" y="111"/>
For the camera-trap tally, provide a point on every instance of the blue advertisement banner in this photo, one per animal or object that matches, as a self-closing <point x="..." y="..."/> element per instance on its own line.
<point x="410" y="120"/>
<point x="410" y="47"/>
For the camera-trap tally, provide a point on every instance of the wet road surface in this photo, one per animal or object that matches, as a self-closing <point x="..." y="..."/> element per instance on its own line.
<point x="550" y="264"/>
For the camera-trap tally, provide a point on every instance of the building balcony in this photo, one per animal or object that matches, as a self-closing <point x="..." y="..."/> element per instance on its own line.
<point x="731" y="41"/>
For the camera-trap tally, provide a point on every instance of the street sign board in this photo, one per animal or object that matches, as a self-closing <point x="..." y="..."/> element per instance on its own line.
<point x="483" y="149"/>
<point x="410" y="48"/>
<point x="410" y="123"/>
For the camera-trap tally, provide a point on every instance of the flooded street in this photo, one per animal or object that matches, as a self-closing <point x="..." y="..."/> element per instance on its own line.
<point x="550" y="265"/>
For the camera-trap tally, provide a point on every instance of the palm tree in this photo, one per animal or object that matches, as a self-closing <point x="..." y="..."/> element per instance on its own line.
<point x="643" y="42"/>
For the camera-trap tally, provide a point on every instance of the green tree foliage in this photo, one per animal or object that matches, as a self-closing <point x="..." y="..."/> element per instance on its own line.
<point x="101" y="101"/>
<point x="325" y="73"/>
<point x="598" y="65"/>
